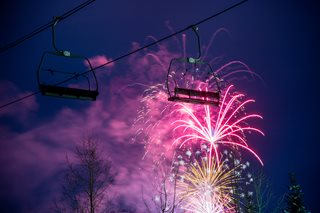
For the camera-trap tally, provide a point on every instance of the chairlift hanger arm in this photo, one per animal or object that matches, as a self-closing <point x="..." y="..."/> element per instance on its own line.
<point x="56" y="19"/>
<point x="195" y="30"/>
<point x="65" y="53"/>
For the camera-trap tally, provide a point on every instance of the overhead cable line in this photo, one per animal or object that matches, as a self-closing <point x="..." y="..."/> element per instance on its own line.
<point x="134" y="51"/>
<point x="44" y="27"/>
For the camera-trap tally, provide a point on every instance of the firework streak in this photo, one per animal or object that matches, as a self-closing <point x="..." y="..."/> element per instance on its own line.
<point x="207" y="188"/>
<point x="227" y="129"/>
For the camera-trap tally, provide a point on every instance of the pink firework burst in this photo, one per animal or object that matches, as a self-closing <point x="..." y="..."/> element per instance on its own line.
<point x="225" y="126"/>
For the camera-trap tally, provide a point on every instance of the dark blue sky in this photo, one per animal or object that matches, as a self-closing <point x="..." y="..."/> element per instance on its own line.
<point x="279" y="40"/>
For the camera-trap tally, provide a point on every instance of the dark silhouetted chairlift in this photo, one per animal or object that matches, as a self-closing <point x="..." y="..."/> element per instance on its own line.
<point x="57" y="90"/>
<point x="191" y="95"/>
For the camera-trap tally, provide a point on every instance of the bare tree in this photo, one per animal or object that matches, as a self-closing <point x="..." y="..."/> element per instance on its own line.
<point x="165" y="199"/>
<point x="262" y="192"/>
<point x="165" y="187"/>
<point x="262" y="198"/>
<point x="86" y="179"/>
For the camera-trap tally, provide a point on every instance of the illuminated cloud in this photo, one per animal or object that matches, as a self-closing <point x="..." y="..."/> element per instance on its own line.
<point x="8" y="90"/>
<point x="100" y="60"/>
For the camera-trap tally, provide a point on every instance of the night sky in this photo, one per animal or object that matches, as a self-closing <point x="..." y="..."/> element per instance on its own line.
<point x="278" y="40"/>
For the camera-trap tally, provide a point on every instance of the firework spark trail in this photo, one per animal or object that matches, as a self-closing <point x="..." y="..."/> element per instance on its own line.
<point x="153" y="123"/>
<point x="225" y="130"/>
<point x="207" y="188"/>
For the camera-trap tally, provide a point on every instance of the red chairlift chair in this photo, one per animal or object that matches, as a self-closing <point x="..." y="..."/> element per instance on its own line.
<point x="207" y="96"/>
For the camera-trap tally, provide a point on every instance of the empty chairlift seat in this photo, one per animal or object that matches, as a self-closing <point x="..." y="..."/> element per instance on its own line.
<point x="191" y="80"/>
<point x="53" y="81"/>
<point x="87" y="84"/>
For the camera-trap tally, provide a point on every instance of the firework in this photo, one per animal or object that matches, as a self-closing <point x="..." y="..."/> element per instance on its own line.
<point x="228" y="127"/>
<point x="187" y="139"/>
<point x="207" y="188"/>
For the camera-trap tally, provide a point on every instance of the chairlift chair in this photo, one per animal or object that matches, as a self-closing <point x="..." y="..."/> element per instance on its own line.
<point x="191" y="80"/>
<point x="59" y="90"/>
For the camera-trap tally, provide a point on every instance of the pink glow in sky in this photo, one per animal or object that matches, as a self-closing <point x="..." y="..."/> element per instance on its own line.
<point x="114" y="119"/>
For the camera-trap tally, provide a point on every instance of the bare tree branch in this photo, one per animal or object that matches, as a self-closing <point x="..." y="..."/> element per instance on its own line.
<point x="86" y="179"/>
